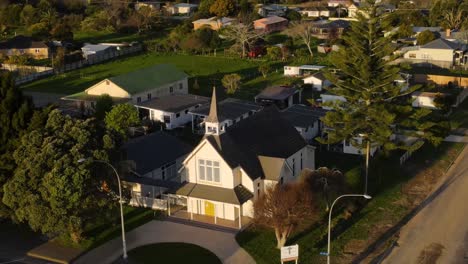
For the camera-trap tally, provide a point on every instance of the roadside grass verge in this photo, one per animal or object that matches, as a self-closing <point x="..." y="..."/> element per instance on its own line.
<point x="392" y="188"/>
<point x="102" y="231"/>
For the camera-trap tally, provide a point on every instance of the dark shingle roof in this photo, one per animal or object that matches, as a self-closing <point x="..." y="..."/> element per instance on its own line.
<point x="175" y="102"/>
<point x="148" y="78"/>
<point x="442" y="44"/>
<point x="238" y="195"/>
<point x="154" y="150"/>
<point x="229" y="109"/>
<point x="276" y="93"/>
<point x="266" y="133"/>
<point x="22" y="42"/>
<point x="303" y="116"/>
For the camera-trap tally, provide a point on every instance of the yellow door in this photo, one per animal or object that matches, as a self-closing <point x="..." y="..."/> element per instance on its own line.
<point x="209" y="208"/>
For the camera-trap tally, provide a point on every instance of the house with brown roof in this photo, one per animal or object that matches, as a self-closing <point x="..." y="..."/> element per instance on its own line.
<point x="232" y="167"/>
<point x="22" y="45"/>
<point x="270" y="24"/>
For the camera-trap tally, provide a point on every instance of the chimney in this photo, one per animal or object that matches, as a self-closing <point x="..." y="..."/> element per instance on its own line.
<point x="448" y="32"/>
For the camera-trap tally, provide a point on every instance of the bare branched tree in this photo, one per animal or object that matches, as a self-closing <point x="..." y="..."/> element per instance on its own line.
<point x="283" y="207"/>
<point x="243" y="35"/>
<point x="303" y="31"/>
<point x="454" y="18"/>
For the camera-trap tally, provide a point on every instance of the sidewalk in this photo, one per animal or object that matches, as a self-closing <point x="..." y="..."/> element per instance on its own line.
<point x="221" y="243"/>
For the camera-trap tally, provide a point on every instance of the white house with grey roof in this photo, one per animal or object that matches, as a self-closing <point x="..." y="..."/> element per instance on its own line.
<point x="173" y="110"/>
<point x="306" y="120"/>
<point x="152" y="163"/>
<point x="440" y="52"/>
<point x="230" y="168"/>
<point x="135" y="87"/>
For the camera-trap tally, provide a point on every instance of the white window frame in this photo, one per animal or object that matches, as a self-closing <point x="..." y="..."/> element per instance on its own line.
<point x="206" y="170"/>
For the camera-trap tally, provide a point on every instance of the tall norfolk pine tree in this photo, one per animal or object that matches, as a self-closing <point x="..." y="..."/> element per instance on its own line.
<point x="375" y="106"/>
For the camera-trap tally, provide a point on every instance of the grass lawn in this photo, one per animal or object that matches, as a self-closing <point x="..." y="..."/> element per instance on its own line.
<point x="102" y="231"/>
<point x="459" y="117"/>
<point x="390" y="203"/>
<point x="174" y="253"/>
<point x="207" y="70"/>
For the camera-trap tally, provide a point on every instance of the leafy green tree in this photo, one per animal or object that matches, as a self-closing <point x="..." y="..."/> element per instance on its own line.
<point x="274" y="53"/>
<point x="121" y="118"/>
<point x="204" y="8"/>
<point x="376" y="108"/>
<point x="405" y="31"/>
<point x="50" y="190"/>
<point x="222" y="8"/>
<point x="15" y="113"/>
<point x="293" y="15"/>
<point x="62" y="31"/>
<point x="103" y="105"/>
<point x="28" y="15"/>
<point x="425" y="37"/>
<point x="39" y="30"/>
<point x="231" y="82"/>
<point x="264" y="69"/>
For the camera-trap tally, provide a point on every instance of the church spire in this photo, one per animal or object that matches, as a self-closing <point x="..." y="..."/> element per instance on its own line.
<point x="212" y="125"/>
<point x="213" y="115"/>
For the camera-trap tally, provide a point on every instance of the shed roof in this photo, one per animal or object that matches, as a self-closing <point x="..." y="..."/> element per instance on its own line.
<point x="303" y="116"/>
<point x="277" y="93"/>
<point x="271" y="20"/>
<point x="174" y="103"/>
<point x="229" y="109"/>
<point x="148" y="78"/>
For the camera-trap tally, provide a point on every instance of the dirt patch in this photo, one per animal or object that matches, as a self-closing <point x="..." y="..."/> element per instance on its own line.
<point x="430" y="254"/>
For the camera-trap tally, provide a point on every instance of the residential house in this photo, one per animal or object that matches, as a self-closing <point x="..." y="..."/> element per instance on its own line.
<point x="230" y="112"/>
<point x="213" y="22"/>
<point x="270" y="24"/>
<point x="94" y="51"/>
<point x="326" y="11"/>
<point x="352" y="9"/>
<point x="281" y="96"/>
<point x="173" y="109"/>
<point x="229" y="169"/>
<point x="272" y="10"/>
<point x="182" y="9"/>
<point x="301" y="70"/>
<point x="336" y="3"/>
<point x="440" y="52"/>
<point x="152" y="162"/>
<point x="318" y="81"/>
<point x="22" y="45"/>
<point x="330" y="30"/>
<point x="306" y="120"/>
<point x="134" y="87"/>
<point x="150" y="4"/>
<point x="424" y="99"/>
<point x="310" y="12"/>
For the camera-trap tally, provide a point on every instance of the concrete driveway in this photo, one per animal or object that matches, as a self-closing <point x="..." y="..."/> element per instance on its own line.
<point x="221" y="243"/>
<point x="443" y="221"/>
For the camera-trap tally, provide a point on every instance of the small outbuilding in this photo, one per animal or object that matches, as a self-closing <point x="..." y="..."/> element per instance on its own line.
<point x="281" y="96"/>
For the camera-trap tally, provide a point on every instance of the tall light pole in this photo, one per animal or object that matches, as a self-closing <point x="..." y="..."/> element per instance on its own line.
<point x="368" y="197"/>
<point x="124" y="244"/>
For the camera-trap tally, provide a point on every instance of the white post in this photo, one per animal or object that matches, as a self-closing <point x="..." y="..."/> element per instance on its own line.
<point x="168" y="206"/>
<point x="240" y="218"/>
<point x="191" y="211"/>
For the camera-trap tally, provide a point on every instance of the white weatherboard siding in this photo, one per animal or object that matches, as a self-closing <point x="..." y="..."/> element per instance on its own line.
<point x="350" y="149"/>
<point x="247" y="209"/>
<point x="430" y="54"/>
<point x="175" y="121"/>
<point x="146" y="190"/>
<point x="207" y="152"/>
<point x="424" y="101"/>
<point x="310" y="132"/>
<point x="317" y="83"/>
<point x="107" y="87"/>
<point x="292" y="70"/>
<point x="222" y="210"/>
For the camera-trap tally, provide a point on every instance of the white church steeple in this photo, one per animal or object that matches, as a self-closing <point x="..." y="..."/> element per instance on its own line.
<point x="212" y="125"/>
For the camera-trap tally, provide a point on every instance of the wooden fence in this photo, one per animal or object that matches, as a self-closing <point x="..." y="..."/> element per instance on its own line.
<point x="31" y="73"/>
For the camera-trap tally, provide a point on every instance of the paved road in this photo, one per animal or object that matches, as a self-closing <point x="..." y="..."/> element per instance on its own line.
<point x="444" y="220"/>
<point x="221" y="243"/>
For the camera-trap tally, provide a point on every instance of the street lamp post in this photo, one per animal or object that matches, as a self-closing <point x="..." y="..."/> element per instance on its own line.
<point x="124" y="244"/>
<point x="330" y="213"/>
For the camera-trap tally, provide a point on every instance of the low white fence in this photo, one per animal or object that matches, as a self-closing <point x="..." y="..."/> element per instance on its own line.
<point x="147" y="202"/>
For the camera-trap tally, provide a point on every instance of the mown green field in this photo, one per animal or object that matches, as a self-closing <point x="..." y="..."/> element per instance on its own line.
<point x="208" y="70"/>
